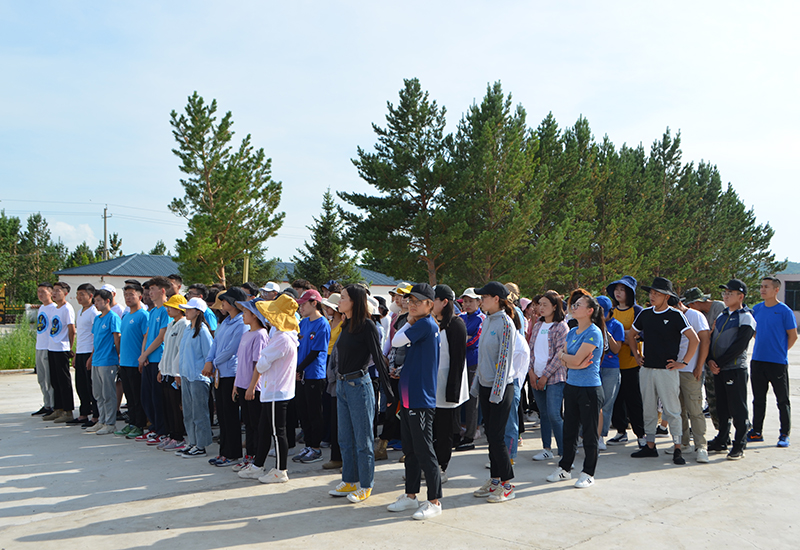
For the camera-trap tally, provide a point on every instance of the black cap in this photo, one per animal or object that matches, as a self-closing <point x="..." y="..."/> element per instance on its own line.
<point x="291" y="292"/>
<point x="494" y="288"/>
<point x="422" y="291"/>
<point x="735" y="284"/>
<point x="662" y="285"/>
<point x="444" y="292"/>
<point x="233" y="295"/>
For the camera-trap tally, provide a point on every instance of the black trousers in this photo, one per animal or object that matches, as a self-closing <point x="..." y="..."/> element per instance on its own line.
<point x="391" y="423"/>
<point x="416" y="429"/>
<point x="293" y="416"/>
<point x="628" y="406"/>
<point x="445" y="426"/>
<point x="310" y="409"/>
<point x="731" y="389"/>
<point x="762" y="374"/>
<point x="173" y="415"/>
<point x="336" y="451"/>
<point x="272" y="425"/>
<point x="251" y="416"/>
<point x="230" y="426"/>
<point x="83" y="385"/>
<point x="61" y="380"/>
<point x="495" y="417"/>
<point x="132" y="386"/>
<point x="581" y="407"/>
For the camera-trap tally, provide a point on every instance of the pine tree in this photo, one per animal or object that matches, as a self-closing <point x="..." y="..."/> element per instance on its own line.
<point x="230" y="197"/>
<point x="159" y="249"/>
<point x="37" y="259"/>
<point x="326" y="257"/>
<point x="82" y="255"/>
<point x="114" y="247"/>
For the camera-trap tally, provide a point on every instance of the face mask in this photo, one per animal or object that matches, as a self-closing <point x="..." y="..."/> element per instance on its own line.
<point x="394" y="308"/>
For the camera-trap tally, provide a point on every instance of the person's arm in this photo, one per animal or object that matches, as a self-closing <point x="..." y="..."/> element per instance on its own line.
<point x="457" y="346"/>
<point x="580" y="359"/>
<point x="557" y="339"/>
<point x="374" y="346"/>
<point x="792" y="334"/>
<point x="738" y="346"/>
<point x="310" y="358"/>
<point x="694" y="341"/>
<point x="630" y="339"/>
<point x="702" y="352"/>
<point x="400" y="338"/>
<point x="614" y="345"/>
<point x="250" y="394"/>
<point x="228" y="348"/>
<point x="71" y="336"/>
<point x="503" y="361"/>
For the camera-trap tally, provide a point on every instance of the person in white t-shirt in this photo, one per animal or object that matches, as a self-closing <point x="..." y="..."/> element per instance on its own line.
<point x="59" y="353"/>
<point x="691" y="392"/>
<point x="115" y="307"/>
<point x="45" y="294"/>
<point x="84" y="340"/>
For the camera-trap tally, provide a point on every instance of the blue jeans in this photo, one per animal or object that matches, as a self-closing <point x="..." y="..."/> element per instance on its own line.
<point x="609" y="378"/>
<point x="194" y="397"/>
<point x="549" y="402"/>
<point x="512" y="426"/>
<point x="355" y="411"/>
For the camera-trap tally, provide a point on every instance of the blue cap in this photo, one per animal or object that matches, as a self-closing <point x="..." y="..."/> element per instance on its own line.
<point x="605" y="303"/>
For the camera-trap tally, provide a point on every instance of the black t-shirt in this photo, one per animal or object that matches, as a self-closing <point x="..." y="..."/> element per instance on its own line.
<point x="661" y="334"/>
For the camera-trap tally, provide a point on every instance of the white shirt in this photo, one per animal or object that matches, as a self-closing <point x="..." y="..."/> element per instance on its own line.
<point x="444" y="372"/>
<point x="698" y="322"/>
<point x="59" y="327"/>
<point x="541" y="349"/>
<point x="84" y="339"/>
<point x="43" y="317"/>
<point x="117" y="308"/>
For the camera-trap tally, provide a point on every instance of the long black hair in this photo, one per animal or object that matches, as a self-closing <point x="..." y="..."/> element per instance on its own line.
<point x="448" y="312"/>
<point x="598" y="318"/>
<point x="359" y="314"/>
<point x="200" y="320"/>
<point x="508" y="306"/>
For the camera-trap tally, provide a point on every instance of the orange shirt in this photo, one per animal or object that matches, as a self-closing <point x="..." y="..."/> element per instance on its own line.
<point x="626" y="317"/>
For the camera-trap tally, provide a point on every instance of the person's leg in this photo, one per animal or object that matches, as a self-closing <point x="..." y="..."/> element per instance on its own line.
<point x="166" y="399"/>
<point x="136" y="414"/>
<point x="346" y="433"/>
<point x="265" y="434"/>
<point x="229" y="420"/>
<point x="610" y="379"/>
<point x="572" y="420"/>
<point x="723" y="414"/>
<point x="780" y="385"/>
<point x="313" y="391"/>
<point x="61" y="380"/>
<point x="495" y="417"/>
<point x="175" y="395"/>
<point x="336" y="452"/>
<point x="619" y="415"/>
<point x="203" y="430"/>
<point x="668" y="388"/>
<point x="759" y="382"/>
<point x="421" y="432"/>
<point x="443" y="433"/>
<point x="391" y="420"/>
<point x="279" y="418"/>
<point x="635" y="404"/>
<point x="83" y="386"/>
<point x="470" y="409"/>
<point x="711" y="396"/>
<point x="555" y="400"/>
<point x="589" y="400"/>
<point x="737" y="406"/>
<point x="411" y="464"/>
<point x="146" y="397"/>
<point x="647" y="386"/>
<point x="511" y="436"/>
<point x="692" y="407"/>
<point x="540" y="397"/>
<point x="108" y="382"/>
<point x="43" y="377"/>
<point x="362" y="404"/>
<point x="189" y="407"/>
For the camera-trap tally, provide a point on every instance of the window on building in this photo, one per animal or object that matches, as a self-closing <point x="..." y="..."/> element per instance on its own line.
<point x="792" y="297"/>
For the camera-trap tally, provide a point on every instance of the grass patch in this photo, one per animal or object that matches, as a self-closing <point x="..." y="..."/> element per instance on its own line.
<point x="18" y="348"/>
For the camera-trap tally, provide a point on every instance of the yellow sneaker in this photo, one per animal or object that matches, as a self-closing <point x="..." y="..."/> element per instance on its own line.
<point x="360" y="495"/>
<point x="343" y="489"/>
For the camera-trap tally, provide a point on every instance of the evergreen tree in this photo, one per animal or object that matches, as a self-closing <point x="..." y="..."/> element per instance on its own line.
<point x="160" y="249"/>
<point x="114" y="247"/>
<point x="403" y="230"/>
<point x="82" y="255"/>
<point x="230" y="197"/>
<point x="9" y="244"/>
<point x="326" y="257"/>
<point x="37" y="259"/>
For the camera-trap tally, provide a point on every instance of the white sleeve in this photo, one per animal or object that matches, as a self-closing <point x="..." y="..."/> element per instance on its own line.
<point x="274" y="350"/>
<point x="400" y="339"/>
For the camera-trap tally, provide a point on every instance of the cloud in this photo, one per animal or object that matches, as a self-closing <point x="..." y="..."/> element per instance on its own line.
<point x="72" y="235"/>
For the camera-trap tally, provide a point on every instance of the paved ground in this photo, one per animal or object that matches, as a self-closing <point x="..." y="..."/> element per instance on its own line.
<point x="62" y="489"/>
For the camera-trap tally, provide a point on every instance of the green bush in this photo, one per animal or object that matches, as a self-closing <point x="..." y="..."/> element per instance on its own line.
<point x="18" y="348"/>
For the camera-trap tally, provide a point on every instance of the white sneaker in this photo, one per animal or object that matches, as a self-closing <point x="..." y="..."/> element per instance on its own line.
<point x="601" y="445"/>
<point x="559" y="474"/>
<point x="584" y="481"/>
<point x="428" y="510"/>
<point x="442" y="475"/>
<point x="105" y="430"/>
<point x="251" y="472"/>
<point x="702" y="455"/>
<point x="93" y="429"/>
<point x="403" y="503"/>
<point x="488" y="465"/>
<point x="544" y="455"/>
<point x="274" y="476"/>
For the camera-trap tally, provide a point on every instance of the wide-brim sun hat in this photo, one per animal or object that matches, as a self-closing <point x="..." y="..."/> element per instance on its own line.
<point x="332" y="301"/>
<point x="662" y="285"/>
<point x="252" y="307"/>
<point x="280" y="313"/>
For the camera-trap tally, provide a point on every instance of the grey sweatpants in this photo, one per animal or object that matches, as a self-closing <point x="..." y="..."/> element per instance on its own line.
<point x="43" y="377"/>
<point x="104" y="389"/>
<point x="661" y="384"/>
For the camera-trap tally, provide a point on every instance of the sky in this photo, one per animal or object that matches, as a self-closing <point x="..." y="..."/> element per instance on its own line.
<point x="86" y="89"/>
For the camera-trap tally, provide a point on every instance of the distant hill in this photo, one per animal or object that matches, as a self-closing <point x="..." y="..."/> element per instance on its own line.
<point x="792" y="269"/>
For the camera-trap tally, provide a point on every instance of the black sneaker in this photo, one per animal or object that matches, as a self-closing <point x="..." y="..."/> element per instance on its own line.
<point x="646" y="452"/>
<point x="75" y="421"/>
<point x="194" y="452"/>
<point x="660" y="430"/>
<point x="715" y="446"/>
<point x="736" y="454"/>
<point x="44" y="411"/>
<point x="88" y="424"/>
<point x="677" y="457"/>
<point x="619" y="439"/>
<point x="466" y="445"/>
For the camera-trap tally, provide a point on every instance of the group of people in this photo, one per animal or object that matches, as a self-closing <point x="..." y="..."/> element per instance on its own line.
<point x="430" y="368"/>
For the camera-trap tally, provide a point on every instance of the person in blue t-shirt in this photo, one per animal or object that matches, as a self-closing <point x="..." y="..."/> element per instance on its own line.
<point x="609" y="367"/>
<point x="418" y="399"/>
<point x="104" y="362"/>
<point x="132" y="332"/>
<point x="776" y="333"/>
<point x="152" y="396"/>
<point x="312" y="357"/>
<point x="583" y="393"/>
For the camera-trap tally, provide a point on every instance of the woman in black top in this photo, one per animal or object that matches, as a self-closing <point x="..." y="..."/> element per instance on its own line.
<point x="357" y="344"/>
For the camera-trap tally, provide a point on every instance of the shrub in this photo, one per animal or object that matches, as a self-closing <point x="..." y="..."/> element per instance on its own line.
<point x="18" y="348"/>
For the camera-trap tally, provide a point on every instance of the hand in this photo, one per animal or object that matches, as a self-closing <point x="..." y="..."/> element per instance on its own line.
<point x="206" y="371"/>
<point x="89" y="363"/>
<point x="250" y="394"/>
<point x="142" y="361"/>
<point x="639" y="358"/>
<point x="586" y="362"/>
<point x="140" y="368"/>
<point x="698" y="372"/>
<point x="178" y="381"/>
<point x="541" y="383"/>
<point x="673" y="365"/>
<point x="297" y="376"/>
<point x="158" y="377"/>
<point x="713" y="367"/>
<point x="234" y="394"/>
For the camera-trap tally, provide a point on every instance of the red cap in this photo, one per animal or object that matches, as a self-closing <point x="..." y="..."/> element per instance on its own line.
<point x="309" y="295"/>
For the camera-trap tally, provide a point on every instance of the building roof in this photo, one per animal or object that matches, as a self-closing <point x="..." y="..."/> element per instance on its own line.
<point x="132" y="265"/>
<point x="369" y="276"/>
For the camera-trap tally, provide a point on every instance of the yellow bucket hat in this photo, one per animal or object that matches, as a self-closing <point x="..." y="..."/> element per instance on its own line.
<point x="176" y="301"/>
<point x="280" y="313"/>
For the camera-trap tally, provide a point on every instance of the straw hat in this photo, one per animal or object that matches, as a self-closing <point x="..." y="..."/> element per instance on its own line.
<point x="280" y="313"/>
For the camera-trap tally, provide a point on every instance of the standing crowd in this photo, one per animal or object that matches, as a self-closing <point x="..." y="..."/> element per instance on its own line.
<point x="427" y="374"/>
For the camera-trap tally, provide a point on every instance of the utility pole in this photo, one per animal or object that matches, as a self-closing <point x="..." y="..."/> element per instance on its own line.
<point x="106" y="215"/>
<point x="246" y="268"/>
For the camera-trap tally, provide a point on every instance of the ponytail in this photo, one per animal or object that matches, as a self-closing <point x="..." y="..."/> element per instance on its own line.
<point x="598" y="318"/>
<point x="508" y="306"/>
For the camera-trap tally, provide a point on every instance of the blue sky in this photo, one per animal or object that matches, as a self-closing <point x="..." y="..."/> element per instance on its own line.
<point x="87" y="88"/>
